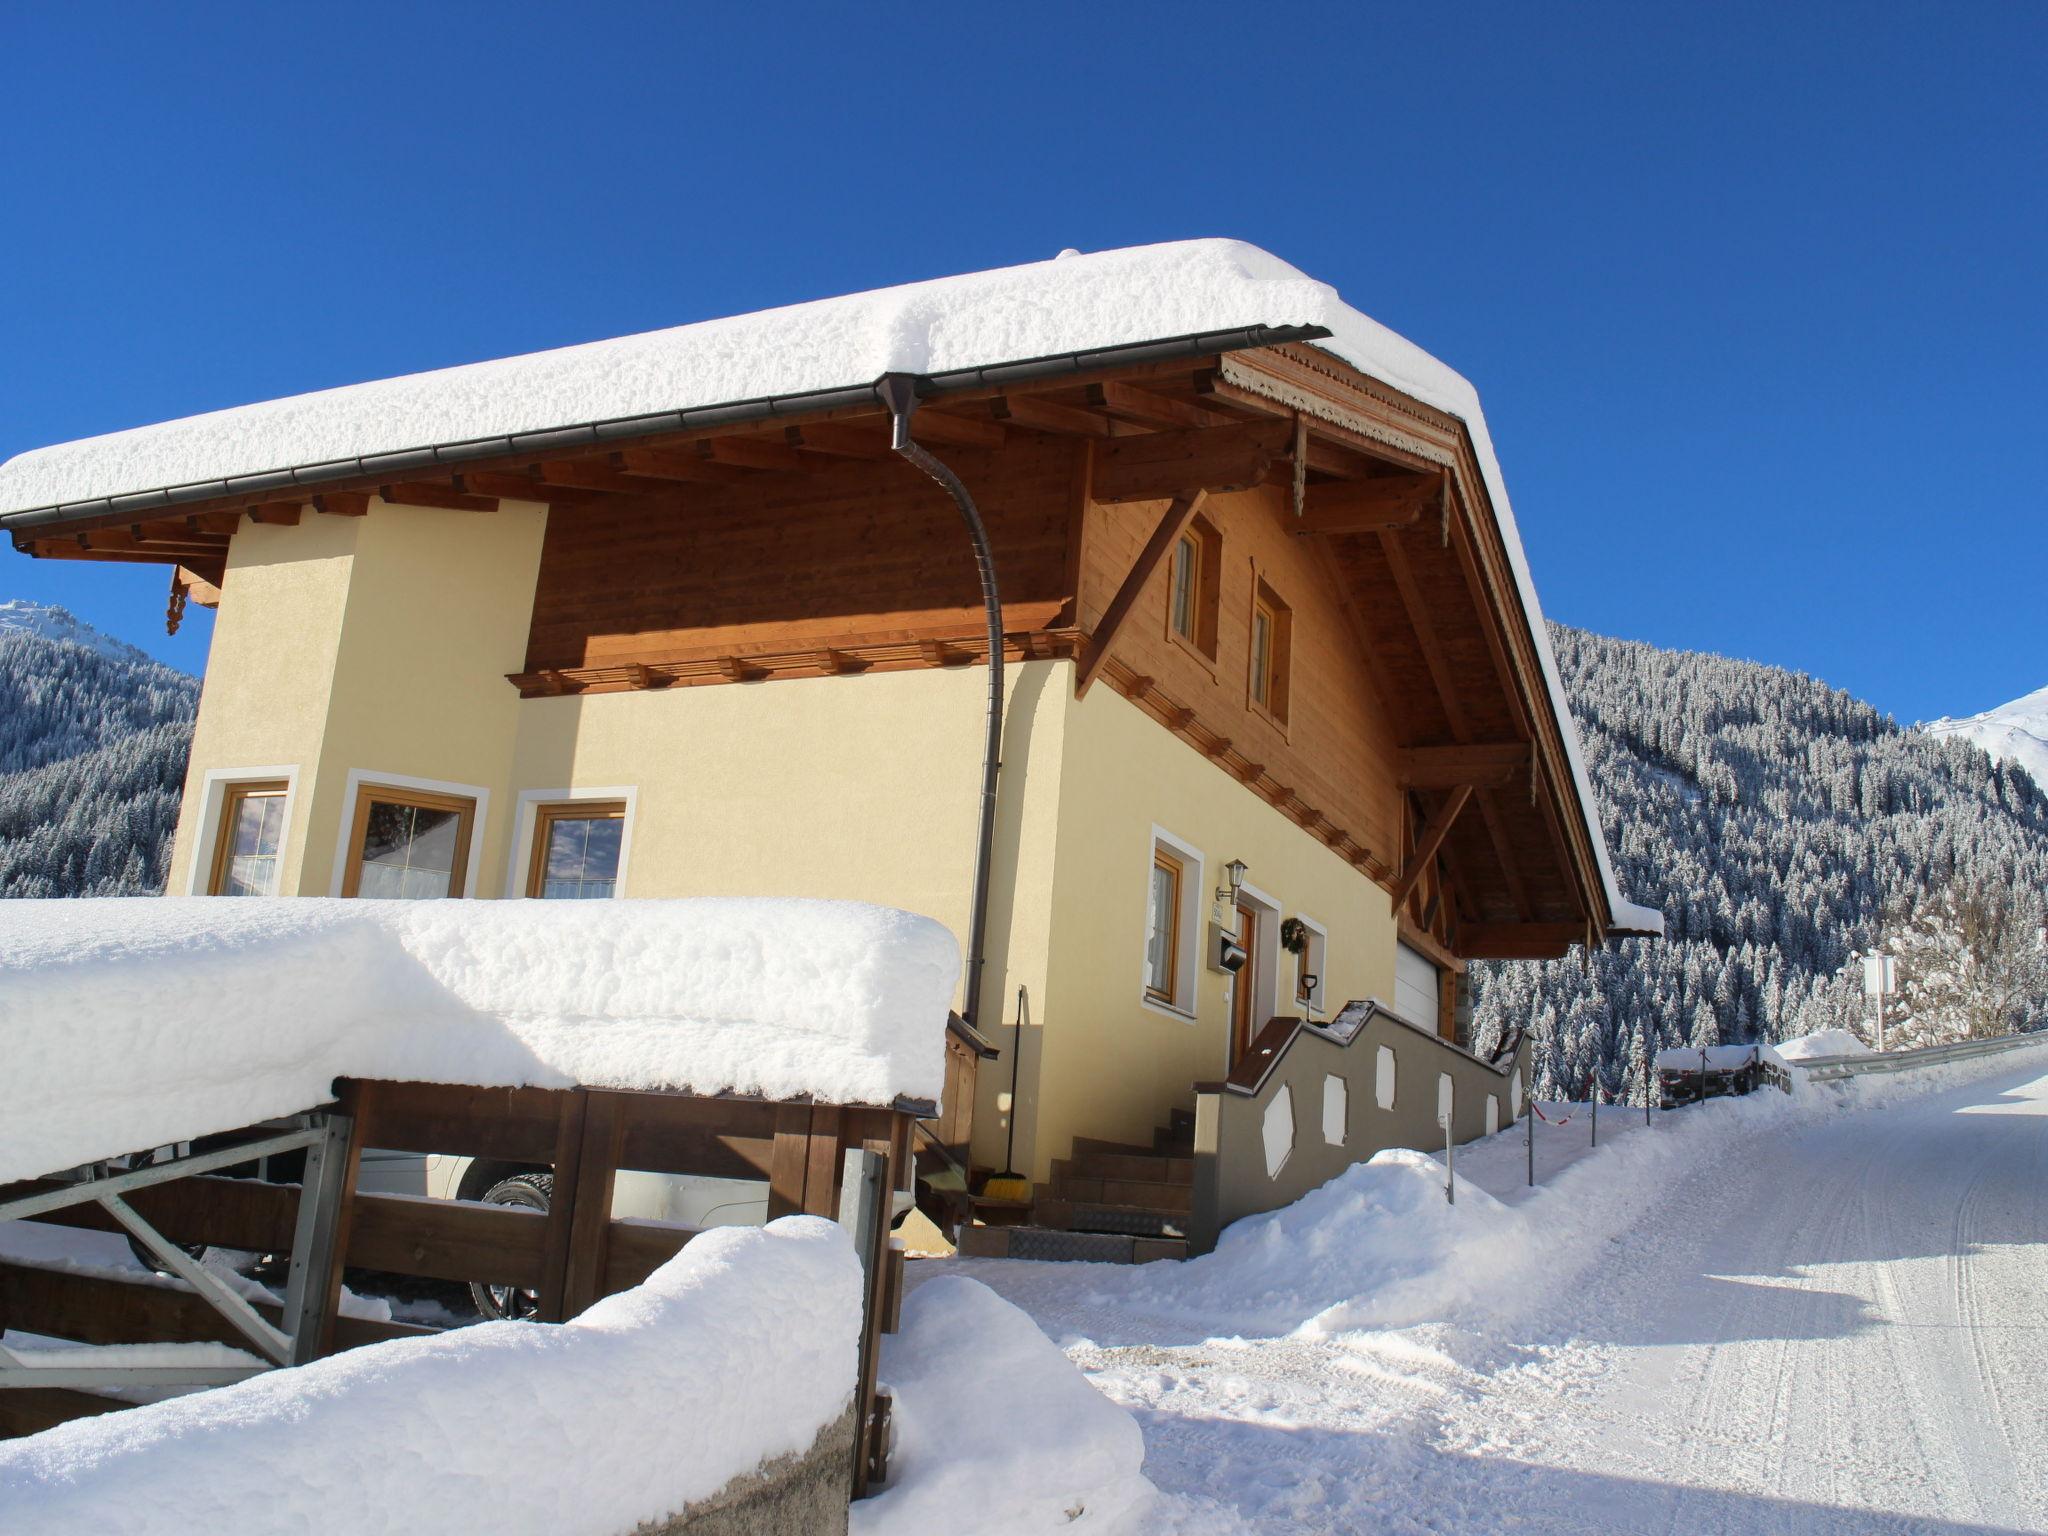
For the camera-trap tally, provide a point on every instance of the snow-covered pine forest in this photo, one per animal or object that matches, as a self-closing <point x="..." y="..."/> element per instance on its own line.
<point x="93" y="739"/>
<point x="1782" y="827"/>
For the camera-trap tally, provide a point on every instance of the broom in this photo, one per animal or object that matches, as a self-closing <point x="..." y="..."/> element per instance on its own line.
<point x="1010" y="1184"/>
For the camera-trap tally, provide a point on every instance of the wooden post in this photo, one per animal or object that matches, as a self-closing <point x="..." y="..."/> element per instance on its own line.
<point x="322" y="1192"/>
<point x="590" y="1212"/>
<point x="357" y="1105"/>
<point x="554" y="1273"/>
<point x="789" y="1163"/>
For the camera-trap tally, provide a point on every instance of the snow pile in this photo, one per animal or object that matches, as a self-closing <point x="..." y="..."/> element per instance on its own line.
<point x="1377" y="1246"/>
<point x="128" y="1024"/>
<point x="1825" y="1042"/>
<point x="1719" y="1058"/>
<point x="2014" y="733"/>
<point x="1043" y="309"/>
<point x="737" y="1350"/>
<point x="996" y="1433"/>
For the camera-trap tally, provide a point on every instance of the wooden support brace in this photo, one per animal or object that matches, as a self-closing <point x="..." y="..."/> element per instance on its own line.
<point x="591" y="1210"/>
<point x="1432" y="838"/>
<point x="1172" y="525"/>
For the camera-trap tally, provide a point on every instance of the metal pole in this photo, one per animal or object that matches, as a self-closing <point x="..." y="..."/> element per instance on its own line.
<point x="1649" y="1074"/>
<point x="1594" y="1094"/>
<point x="1529" y="1113"/>
<point x="1450" y="1164"/>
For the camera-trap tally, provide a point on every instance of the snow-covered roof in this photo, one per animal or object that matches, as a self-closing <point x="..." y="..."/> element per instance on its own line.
<point x="1071" y="304"/>
<point x="127" y="1024"/>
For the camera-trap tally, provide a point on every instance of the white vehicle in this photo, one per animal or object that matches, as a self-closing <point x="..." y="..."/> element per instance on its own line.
<point x="690" y="1200"/>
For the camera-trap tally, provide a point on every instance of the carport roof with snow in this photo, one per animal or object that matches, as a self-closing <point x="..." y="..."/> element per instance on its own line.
<point x="955" y="335"/>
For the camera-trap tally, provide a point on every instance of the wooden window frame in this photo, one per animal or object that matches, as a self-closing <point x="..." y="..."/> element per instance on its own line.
<point x="420" y="799"/>
<point x="1176" y="866"/>
<point x="1279" y="654"/>
<point x="232" y="795"/>
<point x="546" y="813"/>
<point x="1208" y="596"/>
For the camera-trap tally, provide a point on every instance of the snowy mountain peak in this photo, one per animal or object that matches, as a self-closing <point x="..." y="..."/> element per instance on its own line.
<point x="18" y="616"/>
<point x="2015" y="733"/>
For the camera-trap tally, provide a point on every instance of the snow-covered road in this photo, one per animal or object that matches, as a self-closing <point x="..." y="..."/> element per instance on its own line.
<point x="1831" y="1320"/>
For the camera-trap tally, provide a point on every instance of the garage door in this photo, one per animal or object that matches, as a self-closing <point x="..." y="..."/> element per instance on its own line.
<point x="1416" y="980"/>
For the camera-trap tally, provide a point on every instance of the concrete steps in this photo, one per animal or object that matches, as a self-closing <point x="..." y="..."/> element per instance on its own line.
<point x="1110" y="1202"/>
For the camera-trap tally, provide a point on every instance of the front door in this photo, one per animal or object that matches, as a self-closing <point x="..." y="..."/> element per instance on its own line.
<point x="1244" y="1022"/>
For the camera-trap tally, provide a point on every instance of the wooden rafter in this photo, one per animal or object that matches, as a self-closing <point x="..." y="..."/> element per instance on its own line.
<point x="1148" y="408"/>
<point x="679" y="464"/>
<point x="1172" y="524"/>
<point x="840" y="441"/>
<point x="1040" y="415"/>
<point x="342" y="503"/>
<point x="1476" y="763"/>
<point x="283" y="514"/>
<point x="1519" y="941"/>
<point x="1368" y="506"/>
<point x="930" y="425"/>
<point x="1162" y="465"/>
<point x="1431" y="839"/>
<point x="755" y="453"/>
<point x="420" y="493"/>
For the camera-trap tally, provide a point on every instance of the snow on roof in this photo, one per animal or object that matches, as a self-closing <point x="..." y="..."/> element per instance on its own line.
<point x="127" y="1023"/>
<point x="1073" y="303"/>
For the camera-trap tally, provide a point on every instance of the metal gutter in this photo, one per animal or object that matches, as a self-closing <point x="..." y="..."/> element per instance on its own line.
<point x="560" y="441"/>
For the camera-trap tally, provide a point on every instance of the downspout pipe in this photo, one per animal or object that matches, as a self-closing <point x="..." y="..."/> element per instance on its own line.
<point x="898" y="391"/>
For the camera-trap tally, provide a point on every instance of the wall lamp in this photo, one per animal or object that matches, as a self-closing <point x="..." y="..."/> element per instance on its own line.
<point x="1234" y="871"/>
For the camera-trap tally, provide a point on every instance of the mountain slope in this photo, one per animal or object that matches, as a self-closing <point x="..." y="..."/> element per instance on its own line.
<point x="2012" y="733"/>
<point x="1780" y="825"/>
<point x="93" y="742"/>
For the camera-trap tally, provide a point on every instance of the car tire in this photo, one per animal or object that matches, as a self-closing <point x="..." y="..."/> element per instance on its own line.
<point x="528" y="1191"/>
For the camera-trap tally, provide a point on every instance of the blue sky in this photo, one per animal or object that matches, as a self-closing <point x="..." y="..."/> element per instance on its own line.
<point x="1754" y="295"/>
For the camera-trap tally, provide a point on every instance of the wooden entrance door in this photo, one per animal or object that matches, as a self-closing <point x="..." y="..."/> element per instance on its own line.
<point x="1244" y="1022"/>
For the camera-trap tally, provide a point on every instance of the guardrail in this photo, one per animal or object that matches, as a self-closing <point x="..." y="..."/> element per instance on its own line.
<point x="1823" y="1069"/>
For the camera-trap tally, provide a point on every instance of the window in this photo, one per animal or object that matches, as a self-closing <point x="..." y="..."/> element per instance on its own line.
<point x="1192" y="599"/>
<point x="576" y="849"/>
<point x="1173" y="884"/>
<point x="408" y="843"/>
<point x="1272" y="641"/>
<point x="1162" y="927"/>
<point x="251" y="834"/>
<point x="1310" y="966"/>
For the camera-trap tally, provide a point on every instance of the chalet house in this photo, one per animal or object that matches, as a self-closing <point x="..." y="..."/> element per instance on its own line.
<point x="710" y="610"/>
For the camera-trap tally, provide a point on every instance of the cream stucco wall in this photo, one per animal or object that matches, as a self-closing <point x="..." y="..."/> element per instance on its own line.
<point x="375" y="644"/>
<point x="1107" y="1063"/>
<point x="378" y="646"/>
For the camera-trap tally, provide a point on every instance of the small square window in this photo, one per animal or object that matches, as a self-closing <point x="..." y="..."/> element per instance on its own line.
<point x="251" y="836"/>
<point x="576" y="850"/>
<point x="409" y="844"/>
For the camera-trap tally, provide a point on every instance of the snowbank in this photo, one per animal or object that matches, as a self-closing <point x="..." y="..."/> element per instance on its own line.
<point x="1825" y="1042"/>
<point x="997" y="1434"/>
<point x="1042" y="309"/>
<point x="737" y="1350"/>
<point x="1720" y="1058"/>
<point x="127" y="1024"/>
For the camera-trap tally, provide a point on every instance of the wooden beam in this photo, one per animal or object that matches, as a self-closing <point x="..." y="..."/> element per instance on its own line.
<point x="1433" y="834"/>
<point x="1171" y="526"/>
<point x="589" y="475"/>
<point x="342" y="503"/>
<point x="415" y="493"/>
<point x="1488" y="763"/>
<point x="1519" y="941"/>
<point x="935" y="426"/>
<point x="1148" y="409"/>
<point x="1504" y="854"/>
<point x="515" y="487"/>
<point x="681" y="464"/>
<point x="838" y="441"/>
<point x="755" y="453"/>
<point x="1368" y="506"/>
<point x="1417" y="610"/>
<point x="284" y="514"/>
<point x="1037" y="414"/>
<point x="1162" y="465"/>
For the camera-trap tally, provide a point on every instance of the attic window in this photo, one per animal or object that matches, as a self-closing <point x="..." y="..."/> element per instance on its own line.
<point x="1272" y="645"/>
<point x="1193" y="599"/>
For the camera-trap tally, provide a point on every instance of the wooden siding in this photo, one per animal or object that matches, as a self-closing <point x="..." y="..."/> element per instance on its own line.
<point x="867" y="553"/>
